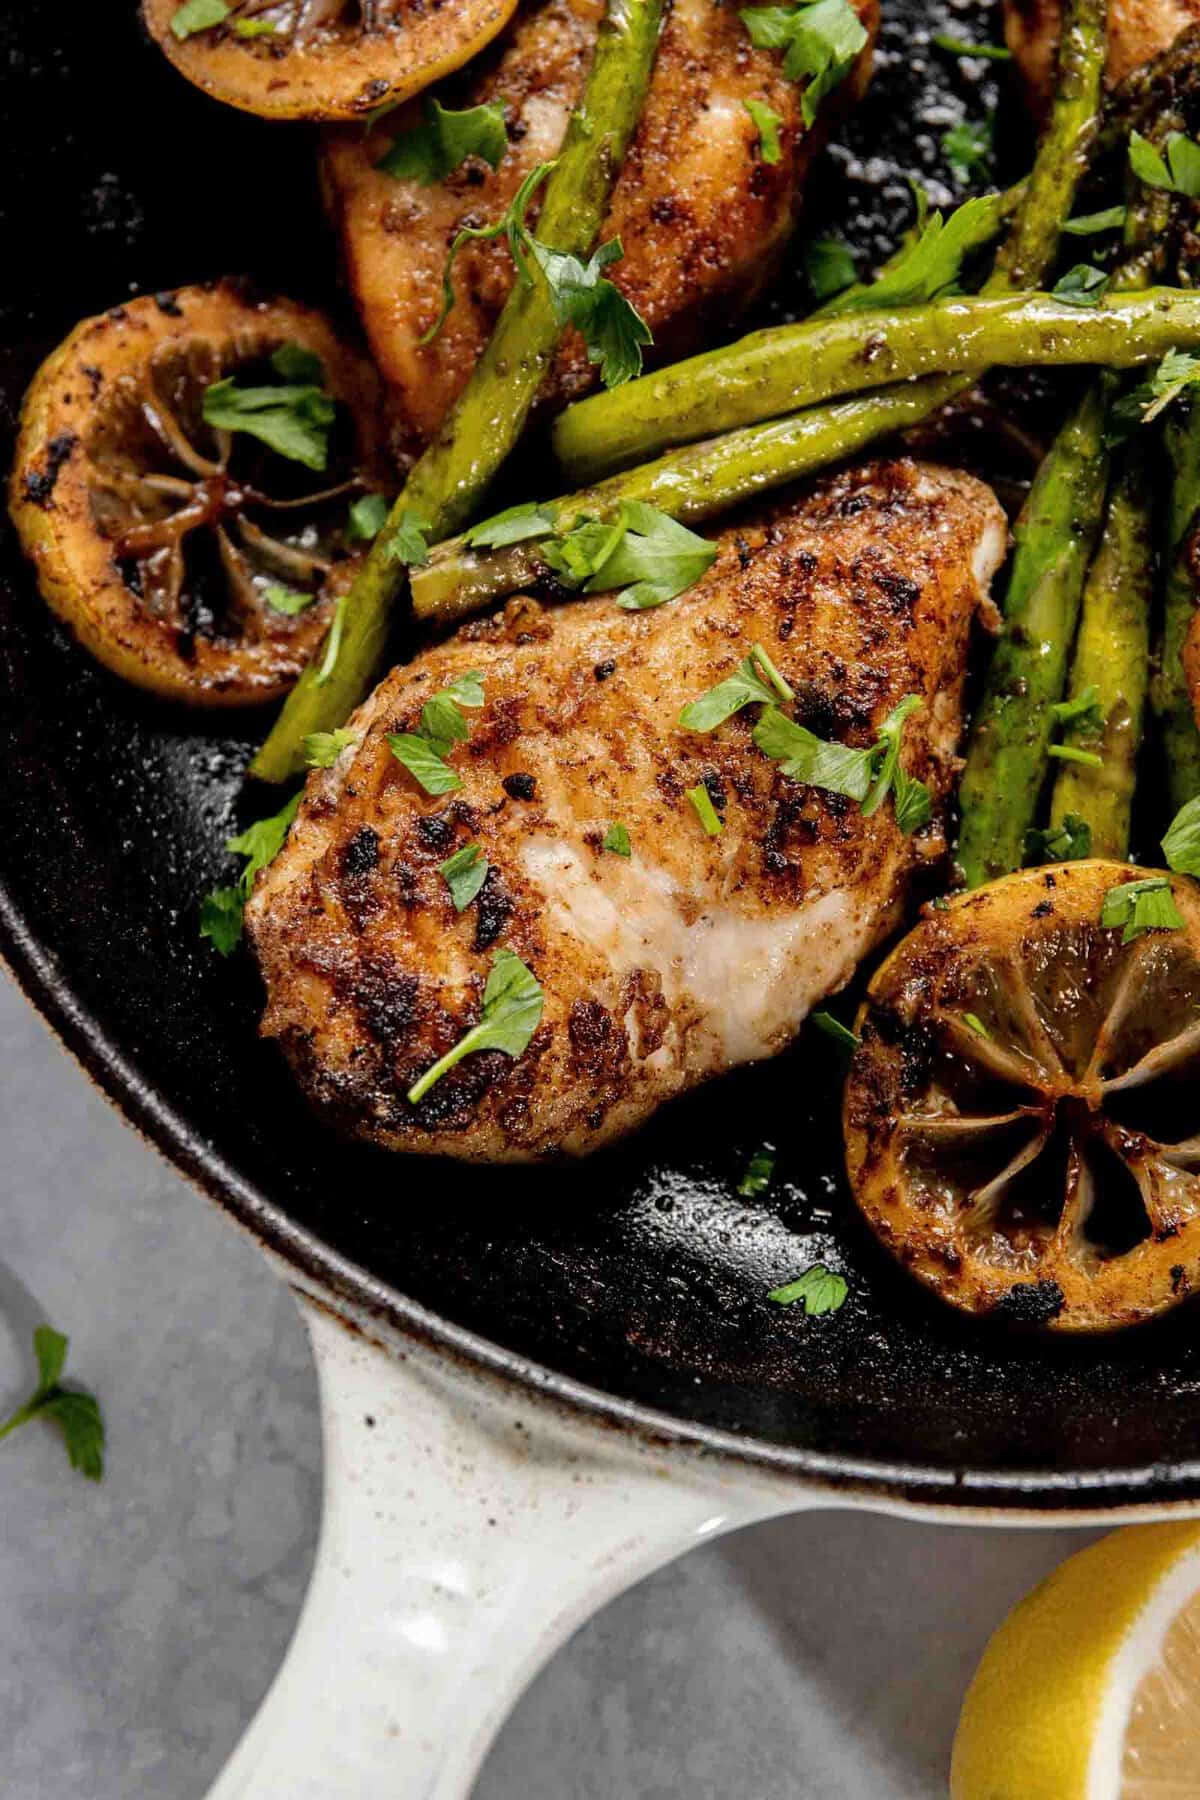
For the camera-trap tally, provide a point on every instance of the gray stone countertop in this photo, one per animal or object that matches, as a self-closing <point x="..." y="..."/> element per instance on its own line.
<point x="141" y="1621"/>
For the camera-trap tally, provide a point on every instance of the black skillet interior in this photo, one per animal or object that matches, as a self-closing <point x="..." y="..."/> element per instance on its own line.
<point x="639" y="1272"/>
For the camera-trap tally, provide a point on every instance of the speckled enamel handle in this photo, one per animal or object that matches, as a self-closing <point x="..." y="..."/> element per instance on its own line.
<point x="467" y="1530"/>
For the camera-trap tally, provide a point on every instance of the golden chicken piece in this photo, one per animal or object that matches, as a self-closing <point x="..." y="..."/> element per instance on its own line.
<point x="693" y="953"/>
<point x="700" y="212"/>
<point x="1137" y="31"/>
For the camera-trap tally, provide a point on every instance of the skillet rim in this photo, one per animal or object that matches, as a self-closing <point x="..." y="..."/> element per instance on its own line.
<point x="1034" y="1496"/>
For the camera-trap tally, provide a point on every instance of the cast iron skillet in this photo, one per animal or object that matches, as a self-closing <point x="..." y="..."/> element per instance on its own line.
<point x="639" y="1273"/>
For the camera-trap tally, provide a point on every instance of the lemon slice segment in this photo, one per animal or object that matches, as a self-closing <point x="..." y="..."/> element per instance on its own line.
<point x="1023" y="1117"/>
<point x="1090" y="1689"/>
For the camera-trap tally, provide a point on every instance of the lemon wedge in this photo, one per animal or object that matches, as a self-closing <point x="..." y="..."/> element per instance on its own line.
<point x="1090" y="1689"/>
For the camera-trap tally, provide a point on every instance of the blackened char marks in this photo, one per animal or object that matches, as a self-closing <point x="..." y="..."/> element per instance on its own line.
<point x="359" y="860"/>
<point x="39" y="485"/>
<point x="493" y="910"/>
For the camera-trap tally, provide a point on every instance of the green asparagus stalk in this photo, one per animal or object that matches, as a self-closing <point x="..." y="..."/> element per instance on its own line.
<point x="1169" y="694"/>
<point x="1110" y="668"/>
<point x="448" y="482"/>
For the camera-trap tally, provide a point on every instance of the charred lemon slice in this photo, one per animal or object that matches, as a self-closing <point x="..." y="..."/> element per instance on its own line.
<point x="184" y="479"/>
<point x="320" y="59"/>
<point x="1023" y="1114"/>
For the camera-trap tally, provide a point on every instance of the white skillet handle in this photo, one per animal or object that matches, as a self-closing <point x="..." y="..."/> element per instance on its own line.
<point x="466" y="1532"/>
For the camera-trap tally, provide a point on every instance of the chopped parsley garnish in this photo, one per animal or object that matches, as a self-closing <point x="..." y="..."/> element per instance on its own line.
<point x="253" y="28"/>
<point x="287" y="600"/>
<point x="1081" y="286"/>
<point x="867" y="776"/>
<point x="833" y="1028"/>
<point x="706" y="812"/>
<point x="1181" y="845"/>
<point x="322" y="748"/>
<point x="759" y="1171"/>
<point x="756" y="682"/>
<point x="819" y="1290"/>
<point x="1178" y="371"/>
<point x="294" y="362"/>
<point x="512" y="1012"/>
<point x="368" y="517"/>
<point x="515" y="525"/>
<point x="443" y="724"/>
<point x="1141" y="906"/>
<point x="1089" y="224"/>
<point x="976" y="1024"/>
<point x="1070" y="753"/>
<point x="464" y="873"/>
<point x="766" y="122"/>
<point x="433" y="150"/>
<point x="821" y="40"/>
<point x="198" y="15"/>
<point x="1083" y="711"/>
<point x="644" y="553"/>
<point x="1069" y="841"/>
<point x="932" y="263"/>
<point x="613" y="332"/>
<point x="408" y="542"/>
<point x="967" y="147"/>
<point x="75" y="1412"/>
<point x="292" y="419"/>
<point x="1177" y="169"/>
<point x="959" y="47"/>
<point x="333" y="643"/>
<point x="911" y="798"/>
<point x="616" y="839"/>
<point x="221" y="911"/>
<point x="829" y="267"/>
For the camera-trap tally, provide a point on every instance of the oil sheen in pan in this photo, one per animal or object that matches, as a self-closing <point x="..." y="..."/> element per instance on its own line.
<point x="640" y="1271"/>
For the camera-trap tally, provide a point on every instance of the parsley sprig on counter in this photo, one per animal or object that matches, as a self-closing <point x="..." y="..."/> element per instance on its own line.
<point x="75" y="1412"/>
<point x="613" y="332"/>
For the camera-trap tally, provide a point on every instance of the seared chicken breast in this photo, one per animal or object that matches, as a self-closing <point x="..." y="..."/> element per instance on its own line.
<point x="690" y="955"/>
<point x="699" y="211"/>
<point x="1137" y="31"/>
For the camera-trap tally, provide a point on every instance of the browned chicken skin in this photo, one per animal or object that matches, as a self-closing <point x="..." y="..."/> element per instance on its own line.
<point x="693" y="954"/>
<point x="699" y="213"/>
<point x="1137" y="31"/>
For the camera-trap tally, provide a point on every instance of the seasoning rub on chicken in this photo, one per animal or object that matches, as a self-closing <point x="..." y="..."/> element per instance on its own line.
<point x="694" y="952"/>
<point x="699" y="208"/>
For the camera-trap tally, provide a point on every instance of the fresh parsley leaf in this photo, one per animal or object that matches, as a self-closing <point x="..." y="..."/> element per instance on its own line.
<point x="75" y="1412"/>
<point x="1181" y="845"/>
<point x="407" y="542"/>
<point x="368" y="516"/>
<point x="1083" y="711"/>
<point x="287" y="600"/>
<point x="581" y="553"/>
<point x="745" y="687"/>
<point x="430" y="152"/>
<point x="1177" y="372"/>
<point x="655" y="559"/>
<point x="466" y="689"/>
<point x="221" y="919"/>
<point x="705" y="811"/>
<point x="1089" y="224"/>
<point x="833" y="1028"/>
<point x="1081" y="286"/>
<point x="613" y="331"/>
<point x="512" y="1012"/>
<point x="510" y="225"/>
<point x="1069" y="753"/>
<point x="322" y="748"/>
<point x="759" y="1171"/>
<point x="253" y="28"/>
<point x="293" y="420"/>
<point x="828" y="267"/>
<point x="424" y="762"/>
<point x="912" y="799"/>
<point x="818" y="1290"/>
<point x="958" y="47"/>
<point x="616" y="839"/>
<point x="867" y="776"/>
<point x="821" y="40"/>
<point x="1178" y="170"/>
<point x="1069" y="841"/>
<point x="976" y="1024"/>
<point x="967" y="147"/>
<point x="515" y="525"/>
<point x="333" y="643"/>
<point x="766" y="122"/>
<point x="464" y="873"/>
<point x="262" y="841"/>
<point x="293" y="362"/>
<point x="1141" y="906"/>
<point x="198" y="15"/>
<point x="933" y="261"/>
